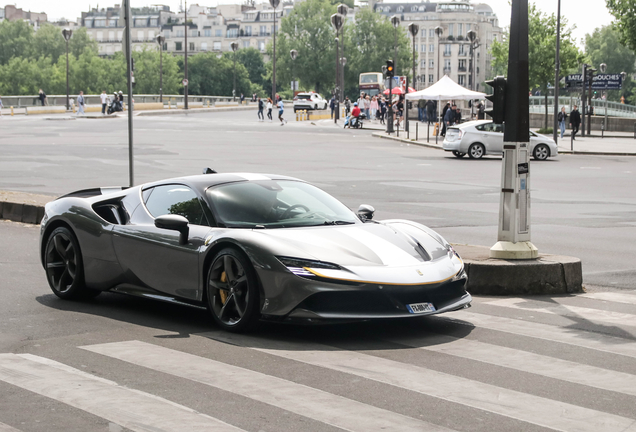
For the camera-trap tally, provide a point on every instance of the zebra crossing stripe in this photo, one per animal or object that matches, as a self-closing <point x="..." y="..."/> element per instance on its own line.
<point x="517" y="405"/>
<point x="7" y="428"/>
<point x="567" y="311"/>
<point x="132" y="409"/>
<point x="297" y="398"/>
<point x="612" y="297"/>
<point x="524" y="361"/>
<point x="570" y="336"/>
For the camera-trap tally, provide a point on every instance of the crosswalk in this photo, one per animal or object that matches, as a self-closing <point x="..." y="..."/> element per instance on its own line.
<point x="479" y="365"/>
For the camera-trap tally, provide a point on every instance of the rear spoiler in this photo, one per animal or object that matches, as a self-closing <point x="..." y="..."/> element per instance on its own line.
<point x="87" y="193"/>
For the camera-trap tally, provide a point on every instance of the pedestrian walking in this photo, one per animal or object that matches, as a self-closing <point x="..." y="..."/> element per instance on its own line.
<point x="421" y="110"/>
<point x="575" y="121"/>
<point x="481" y="111"/>
<point x="104" y="98"/>
<point x="561" y="118"/>
<point x="347" y="106"/>
<point x="242" y="98"/>
<point x="374" y="107"/>
<point x="80" y="103"/>
<point x="367" y="106"/>
<point x="261" y="105"/>
<point x="269" y="109"/>
<point x="281" y="109"/>
<point x="449" y="118"/>
<point x="382" y="110"/>
<point x="42" y="97"/>
<point x="444" y="112"/>
<point x="332" y="104"/>
<point x="430" y="111"/>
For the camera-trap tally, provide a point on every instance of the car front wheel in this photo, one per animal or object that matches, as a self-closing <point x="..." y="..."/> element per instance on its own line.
<point x="64" y="266"/>
<point x="232" y="291"/>
<point x="476" y="151"/>
<point x="541" y="152"/>
<point x="458" y="154"/>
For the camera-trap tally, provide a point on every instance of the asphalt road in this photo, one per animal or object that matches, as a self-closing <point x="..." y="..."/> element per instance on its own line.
<point x="117" y="363"/>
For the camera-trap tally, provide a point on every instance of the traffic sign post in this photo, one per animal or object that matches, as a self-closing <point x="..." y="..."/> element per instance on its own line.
<point x="184" y="82"/>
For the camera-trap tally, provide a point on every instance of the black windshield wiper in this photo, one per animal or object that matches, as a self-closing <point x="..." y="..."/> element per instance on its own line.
<point x="338" y="222"/>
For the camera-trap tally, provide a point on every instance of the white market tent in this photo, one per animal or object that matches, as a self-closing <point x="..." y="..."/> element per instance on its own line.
<point x="445" y="88"/>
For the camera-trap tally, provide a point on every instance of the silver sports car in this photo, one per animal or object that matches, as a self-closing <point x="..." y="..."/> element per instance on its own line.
<point x="248" y="247"/>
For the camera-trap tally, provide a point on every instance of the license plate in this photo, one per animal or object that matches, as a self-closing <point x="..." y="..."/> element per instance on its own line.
<point x="416" y="308"/>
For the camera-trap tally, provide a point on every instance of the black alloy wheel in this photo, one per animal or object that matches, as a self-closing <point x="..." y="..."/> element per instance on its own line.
<point x="232" y="290"/>
<point x="458" y="154"/>
<point x="476" y="151"/>
<point x="541" y="152"/>
<point x="64" y="266"/>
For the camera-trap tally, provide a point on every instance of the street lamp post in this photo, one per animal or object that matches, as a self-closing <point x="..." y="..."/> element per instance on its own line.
<point x="67" y="33"/>
<point x="590" y="71"/>
<point x="395" y="20"/>
<point x="293" y="54"/>
<point x="337" y="21"/>
<point x="474" y="41"/>
<point x="185" y="63"/>
<point x="160" y="41"/>
<point x="557" y="66"/>
<point x="439" y="31"/>
<point x="234" y="47"/>
<point x="342" y="9"/>
<point x="413" y="29"/>
<point x="274" y="4"/>
<point x="603" y="68"/>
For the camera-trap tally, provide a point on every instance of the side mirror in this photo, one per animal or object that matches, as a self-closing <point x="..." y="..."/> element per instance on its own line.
<point x="365" y="212"/>
<point x="175" y="223"/>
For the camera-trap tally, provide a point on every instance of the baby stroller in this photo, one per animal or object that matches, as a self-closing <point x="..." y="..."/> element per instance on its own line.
<point x="355" y="122"/>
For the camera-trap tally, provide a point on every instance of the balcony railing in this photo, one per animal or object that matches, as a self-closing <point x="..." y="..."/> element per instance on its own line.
<point x="447" y="53"/>
<point x="447" y="70"/>
<point x="461" y="69"/>
<point x="462" y="54"/>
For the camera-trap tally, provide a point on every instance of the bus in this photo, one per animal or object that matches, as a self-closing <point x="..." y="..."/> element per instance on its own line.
<point x="371" y="83"/>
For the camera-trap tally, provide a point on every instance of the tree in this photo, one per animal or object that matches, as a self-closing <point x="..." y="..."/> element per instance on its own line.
<point x="252" y="59"/>
<point x="16" y="39"/>
<point x="210" y="75"/>
<point x="604" y="46"/>
<point x="542" y="51"/>
<point x="625" y="20"/>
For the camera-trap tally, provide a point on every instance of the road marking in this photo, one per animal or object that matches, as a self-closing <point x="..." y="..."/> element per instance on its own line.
<point x="132" y="409"/>
<point x="567" y="311"/>
<point x="612" y="297"/>
<point x="7" y="428"/>
<point x="594" y="168"/>
<point x="511" y="358"/>
<point x="297" y="398"/>
<point x="570" y="336"/>
<point x="517" y="405"/>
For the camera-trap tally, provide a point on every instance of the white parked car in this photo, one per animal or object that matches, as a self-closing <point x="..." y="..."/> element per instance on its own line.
<point x="309" y="101"/>
<point x="483" y="137"/>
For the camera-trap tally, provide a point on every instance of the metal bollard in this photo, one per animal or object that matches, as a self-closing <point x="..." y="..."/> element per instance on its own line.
<point x="602" y="128"/>
<point x="398" y="130"/>
<point x="634" y="130"/>
<point x="12" y="110"/>
<point x="417" y="131"/>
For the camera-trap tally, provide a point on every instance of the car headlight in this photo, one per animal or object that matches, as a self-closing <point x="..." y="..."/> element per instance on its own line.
<point x="460" y="275"/>
<point x="298" y="266"/>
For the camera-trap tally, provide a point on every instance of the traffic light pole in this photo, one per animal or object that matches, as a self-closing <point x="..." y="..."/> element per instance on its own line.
<point x="513" y="236"/>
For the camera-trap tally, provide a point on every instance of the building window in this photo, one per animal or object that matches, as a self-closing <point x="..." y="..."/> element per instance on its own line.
<point x="246" y="44"/>
<point x="112" y="22"/>
<point x="166" y="34"/>
<point x="191" y="46"/>
<point x="431" y="64"/>
<point x="248" y="30"/>
<point x="217" y="46"/>
<point x="423" y="46"/>
<point x="154" y="22"/>
<point x="415" y="47"/>
<point x="111" y="35"/>
<point x="120" y="35"/>
<point x="461" y="79"/>
<point x="99" y="36"/>
<point x="461" y="67"/>
<point x="218" y="33"/>
<point x="179" y="33"/>
<point x="165" y="46"/>
<point x="140" y="22"/>
<point x="151" y="35"/>
<point x="460" y="29"/>
<point x="400" y="9"/>
<point x="447" y="50"/>
<point x="140" y="35"/>
<point x="431" y="48"/>
<point x="100" y="23"/>
<point x="451" y="29"/>
<point x="194" y="33"/>
<point x="204" y="46"/>
<point x="431" y="32"/>
<point x="263" y="30"/>
<point x="430" y="78"/>
<point x="178" y="46"/>
<point x="232" y="33"/>
<point x="88" y="23"/>
<point x="423" y="63"/>
<point x="261" y="46"/>
<point x="207" y="33"/>
<point x="447" y="66"/>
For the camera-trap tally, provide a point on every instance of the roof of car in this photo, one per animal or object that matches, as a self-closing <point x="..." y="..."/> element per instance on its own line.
<point x="204" y="181"/>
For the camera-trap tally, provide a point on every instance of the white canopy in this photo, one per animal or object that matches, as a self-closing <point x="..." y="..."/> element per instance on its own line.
<point x="445" y="88"/>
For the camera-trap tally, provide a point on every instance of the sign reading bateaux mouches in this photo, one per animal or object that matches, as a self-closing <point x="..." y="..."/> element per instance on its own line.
<point x="599" y="82"/>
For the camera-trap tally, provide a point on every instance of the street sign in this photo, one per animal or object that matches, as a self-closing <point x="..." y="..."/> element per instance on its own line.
<point x="184" y="82"/>
<point x="599" y="82"/>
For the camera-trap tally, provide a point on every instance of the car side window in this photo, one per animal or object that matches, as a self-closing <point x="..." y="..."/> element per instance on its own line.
<point x="174" y="199"/>
<point x="498" y="128"/>
<point x="484" y="127"/>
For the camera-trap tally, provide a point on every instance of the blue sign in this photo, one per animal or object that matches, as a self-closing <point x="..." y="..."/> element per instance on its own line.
<point x="599" y="82"/>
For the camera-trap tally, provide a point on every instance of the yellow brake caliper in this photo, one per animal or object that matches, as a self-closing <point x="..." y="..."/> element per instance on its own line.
<point x="223" y="293"/>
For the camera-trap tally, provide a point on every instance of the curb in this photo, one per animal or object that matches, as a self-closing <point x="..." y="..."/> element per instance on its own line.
<point x="19" y="212"/>
<point x="561" y="151"/>
<point x="194" y="110"/>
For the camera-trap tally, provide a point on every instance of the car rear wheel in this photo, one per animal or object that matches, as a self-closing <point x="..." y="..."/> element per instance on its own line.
<point x="476" y="151"/>
<point x="541" y="152"/>
<point x="232" y="290"/>
<point x="458" y="154"/>
<point x="64" y="266"/>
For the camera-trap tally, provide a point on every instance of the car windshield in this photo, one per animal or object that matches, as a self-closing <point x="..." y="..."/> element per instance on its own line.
<point x="276" y="204"/>
<point x="305" y="97"/>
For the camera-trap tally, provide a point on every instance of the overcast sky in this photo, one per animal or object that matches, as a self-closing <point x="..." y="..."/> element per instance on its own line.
<point x="586" y="15"/>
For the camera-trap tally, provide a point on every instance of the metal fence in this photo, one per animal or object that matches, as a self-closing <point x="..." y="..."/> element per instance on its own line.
<point x="614" y="109"/>
<point x="60" y="100"/>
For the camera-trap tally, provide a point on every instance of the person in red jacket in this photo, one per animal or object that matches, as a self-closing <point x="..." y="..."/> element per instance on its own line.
<point x="355" y="113"/>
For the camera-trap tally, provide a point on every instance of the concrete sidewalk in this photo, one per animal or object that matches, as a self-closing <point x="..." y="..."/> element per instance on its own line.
<point x="549" y="274"/>
<point x="618" y="144"/>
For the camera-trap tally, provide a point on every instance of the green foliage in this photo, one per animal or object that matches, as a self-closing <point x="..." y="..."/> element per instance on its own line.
<point x="252" y="59"/>
<point x="210" y="75"/>
<point x="546" y="131"/>
<point x="16" y="40"/>
<point x="624" y="12"/>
